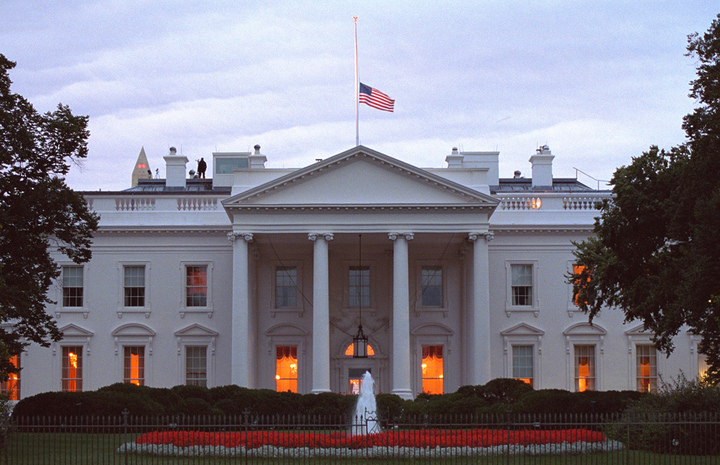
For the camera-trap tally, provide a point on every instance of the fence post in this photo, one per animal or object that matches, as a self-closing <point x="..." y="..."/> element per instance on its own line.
<point x="125" y="414"/>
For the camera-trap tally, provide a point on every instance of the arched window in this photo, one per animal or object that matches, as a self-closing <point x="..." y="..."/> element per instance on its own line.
<point x="349" y="350"/>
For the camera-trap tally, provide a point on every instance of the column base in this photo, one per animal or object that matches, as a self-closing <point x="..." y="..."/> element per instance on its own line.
<point x="403" y="393"/>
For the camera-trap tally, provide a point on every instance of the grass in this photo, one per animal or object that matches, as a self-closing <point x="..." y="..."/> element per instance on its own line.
<point x="86" y="448"/>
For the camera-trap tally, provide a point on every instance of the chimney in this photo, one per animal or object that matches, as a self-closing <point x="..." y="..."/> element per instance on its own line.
<point x="175" y="169"/>
<point x="455" y="159"/>
<point x="542" y="177"/>
<point x="257" y="160"/>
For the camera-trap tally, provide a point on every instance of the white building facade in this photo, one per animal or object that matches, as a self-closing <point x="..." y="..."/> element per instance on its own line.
<point x="260" y="277"/>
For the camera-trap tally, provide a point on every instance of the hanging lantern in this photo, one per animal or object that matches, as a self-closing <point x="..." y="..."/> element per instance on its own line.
<point x="360" y="344"/>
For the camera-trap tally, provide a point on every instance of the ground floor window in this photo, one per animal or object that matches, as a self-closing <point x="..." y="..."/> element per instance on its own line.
<point x="286" y="369"/>
<point x="134" y="365"/>
<point x="584" y="368"/>
<point x="432" y="369"/>
<point x="11" y="387"/>
<point x="72" y="367"/>
<point x="196" y="366"/>
<point x="646" y="367"/>
<point x="523" y="364"/>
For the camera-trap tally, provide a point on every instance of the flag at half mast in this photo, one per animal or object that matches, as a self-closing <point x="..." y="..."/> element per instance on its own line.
<point x="375" y="98"/>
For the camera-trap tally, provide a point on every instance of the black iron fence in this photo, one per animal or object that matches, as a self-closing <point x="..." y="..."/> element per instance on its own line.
<point x="498" y="439"/>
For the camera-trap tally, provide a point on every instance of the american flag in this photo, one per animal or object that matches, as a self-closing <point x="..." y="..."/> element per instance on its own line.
<point x="375" y="98"/>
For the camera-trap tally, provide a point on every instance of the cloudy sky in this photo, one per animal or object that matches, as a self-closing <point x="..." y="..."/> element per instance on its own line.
<point x="599" y="82"/>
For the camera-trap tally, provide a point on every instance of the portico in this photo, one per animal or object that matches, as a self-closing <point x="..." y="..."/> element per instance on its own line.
<point x="306" y="224"/>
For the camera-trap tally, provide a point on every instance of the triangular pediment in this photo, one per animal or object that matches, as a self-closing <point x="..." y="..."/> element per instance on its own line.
<point x="196" y="330"/>
<point x="523" y="329"/>
<point x="74" y="331"/>
<point x="360" y="177"/>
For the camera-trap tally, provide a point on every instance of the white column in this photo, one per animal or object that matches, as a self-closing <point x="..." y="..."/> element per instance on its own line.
<point x="321" y="313"/>
<point x="401" y="316"/>
<point x="479" y="357"/>
<point x="242" y="353"/>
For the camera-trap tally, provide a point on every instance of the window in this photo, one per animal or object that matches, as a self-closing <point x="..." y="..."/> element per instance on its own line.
<point x="577" y="269"/>
<point x="134" y="286"/>
<point x="432" y="286"/>
<point x="72" y="369"/>
<point x="196" y="286"/>
<point x="355" y="379"/>
<point x="522" y="364"/>
<point x="286" y="279"/>
<point x="584" y="368"/>
<point x="134" y="365"/>
<point x="286" y="369"/>
<point x="432" y="369"/>
<point x="11" y="387"/>
<point x="196" y="366"/>
<point x="646" y="362"/>
<point x="350" y="351"/>
<point x="702" y="367"/>
<point x="521" y="285"/>
<point x="359" y="286"/>
<point x="72" y="282"/>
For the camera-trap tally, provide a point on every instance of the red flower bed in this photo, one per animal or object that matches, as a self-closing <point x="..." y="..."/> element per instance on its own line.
<point x="402" y="438"/>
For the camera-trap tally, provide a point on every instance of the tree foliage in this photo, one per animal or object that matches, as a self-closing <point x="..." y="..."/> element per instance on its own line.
<point x="656" y="254"/>
<point x="38" y="212"/>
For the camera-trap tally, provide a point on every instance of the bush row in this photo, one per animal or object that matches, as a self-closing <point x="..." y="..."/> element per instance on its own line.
<point x="499" y="396"/>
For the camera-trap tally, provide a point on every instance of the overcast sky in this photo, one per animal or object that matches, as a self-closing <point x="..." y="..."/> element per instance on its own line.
<point x="599" y="82"/>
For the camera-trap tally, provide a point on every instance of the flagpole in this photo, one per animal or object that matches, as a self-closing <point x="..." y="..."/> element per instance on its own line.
<point x="357" y="124"/>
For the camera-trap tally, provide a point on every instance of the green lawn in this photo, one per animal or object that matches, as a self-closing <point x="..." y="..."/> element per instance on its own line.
<point x="81" y="449"/>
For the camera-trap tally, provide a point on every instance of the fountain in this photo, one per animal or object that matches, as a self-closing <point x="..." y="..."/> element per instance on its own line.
<point x="364" y="419"/>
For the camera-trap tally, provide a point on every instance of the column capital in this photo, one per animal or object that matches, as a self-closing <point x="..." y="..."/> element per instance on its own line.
<point x="475" y="235"/>
<point x="246" y="236"/>
<point x="313" y="236"/>
<point x="407" y="235"/>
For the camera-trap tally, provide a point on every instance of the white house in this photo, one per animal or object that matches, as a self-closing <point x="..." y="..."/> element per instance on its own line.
<point x="260" y="277"/>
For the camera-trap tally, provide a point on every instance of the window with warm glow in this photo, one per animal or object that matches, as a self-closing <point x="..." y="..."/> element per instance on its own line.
<point x="432" y="369"/>
<point x="646" y="361"/>
<point x="196" y="366"/>
<point x="432" y="295"/>
<point x="521" y="285"/>
<point x="72" y="282"/>
<point x="523" y="366"/>
<point x="72" y="369"/>
<point x="584" y="368"/>
<point x="286" y="369"/>
<point x="355" y="377"/>
<point x="11" y="387"/>
<point x="577" y="269"/>
<point x="359" y="286"/>
<point x="134" y="282"/>
<point x="702" y="366"/>
<point x="134" y="365"/>
<point x="286" y="287"/>
<point x="350" y="351"/>
<point x="196" y="286"/>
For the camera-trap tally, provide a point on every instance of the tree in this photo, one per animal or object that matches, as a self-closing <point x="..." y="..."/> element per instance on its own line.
<point x="655" y="253"/>
<point x="38" y="212"/>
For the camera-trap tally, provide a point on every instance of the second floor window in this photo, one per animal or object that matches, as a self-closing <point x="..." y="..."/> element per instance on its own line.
<point x="286" y="287"/>
<point x="72" y="286"/>
<point x="359" y="286"/>
<point x="134" y="282"/>
<point x="196" y="286"/>
<point x="432" y="292"/>
<point x="522" y="285"/>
